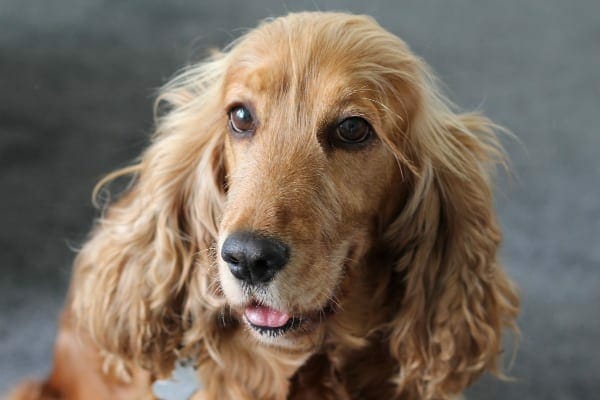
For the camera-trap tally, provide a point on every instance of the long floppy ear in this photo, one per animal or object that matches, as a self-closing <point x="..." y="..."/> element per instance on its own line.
<point x="132" y="276"/>
<point x="455" y="297"/>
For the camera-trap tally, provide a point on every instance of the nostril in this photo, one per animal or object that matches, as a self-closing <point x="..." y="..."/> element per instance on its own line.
<point x="231" y="259"/>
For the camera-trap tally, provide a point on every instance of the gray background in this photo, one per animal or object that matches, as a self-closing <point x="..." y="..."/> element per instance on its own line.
<point x="77" y="78"/>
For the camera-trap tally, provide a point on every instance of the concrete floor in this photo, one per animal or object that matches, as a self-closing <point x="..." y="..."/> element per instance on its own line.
<point x="77" y="79"/>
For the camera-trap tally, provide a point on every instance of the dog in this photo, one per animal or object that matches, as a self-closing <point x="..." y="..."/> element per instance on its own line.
<point x="312" y="220"/>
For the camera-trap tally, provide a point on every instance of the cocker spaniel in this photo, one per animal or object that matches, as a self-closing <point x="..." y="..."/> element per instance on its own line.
<point x="312" y="220"/>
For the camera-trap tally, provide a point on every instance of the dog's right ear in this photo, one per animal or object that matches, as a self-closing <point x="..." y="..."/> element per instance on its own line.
<point x="132" y="277"/>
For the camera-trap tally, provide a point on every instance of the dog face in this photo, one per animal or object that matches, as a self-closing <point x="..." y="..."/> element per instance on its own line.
<point x="310" y="178"/>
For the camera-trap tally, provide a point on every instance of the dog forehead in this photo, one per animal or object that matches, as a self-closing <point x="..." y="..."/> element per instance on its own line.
<point x="282" y="73"/>
<point x="276" y="61"/>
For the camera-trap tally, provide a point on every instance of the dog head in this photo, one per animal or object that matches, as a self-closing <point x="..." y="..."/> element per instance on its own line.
<point x="312" y="185"/>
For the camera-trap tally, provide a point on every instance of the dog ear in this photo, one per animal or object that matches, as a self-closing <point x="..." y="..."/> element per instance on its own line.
<point x="455" y="297"/>
<point x="132" y="276"/>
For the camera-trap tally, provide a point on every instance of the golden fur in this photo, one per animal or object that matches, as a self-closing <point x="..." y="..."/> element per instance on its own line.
<point x="400" y="235"/>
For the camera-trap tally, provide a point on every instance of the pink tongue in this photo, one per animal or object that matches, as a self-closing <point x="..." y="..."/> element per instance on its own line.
<point x="266" y="317"/>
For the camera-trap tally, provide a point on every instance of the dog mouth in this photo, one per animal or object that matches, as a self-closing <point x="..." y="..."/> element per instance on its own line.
<point x="270" y="322"/>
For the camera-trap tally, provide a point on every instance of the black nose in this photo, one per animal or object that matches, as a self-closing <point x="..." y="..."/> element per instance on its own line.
<point x="254" y="258"/>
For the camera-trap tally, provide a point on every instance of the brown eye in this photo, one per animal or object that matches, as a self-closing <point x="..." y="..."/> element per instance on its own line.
<point x="353" y="130"/>
<point x="241" y="120"/>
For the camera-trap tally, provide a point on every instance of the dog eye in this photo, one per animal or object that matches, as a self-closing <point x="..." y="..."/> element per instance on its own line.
<point x="241" y="120"/>
<point x="353" y="130"/>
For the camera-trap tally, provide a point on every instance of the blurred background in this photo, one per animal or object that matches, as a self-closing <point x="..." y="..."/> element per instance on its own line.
<point x="77" y="81"/>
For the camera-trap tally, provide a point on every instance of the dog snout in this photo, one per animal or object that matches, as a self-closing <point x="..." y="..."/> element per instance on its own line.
<point x="254" y="258"/>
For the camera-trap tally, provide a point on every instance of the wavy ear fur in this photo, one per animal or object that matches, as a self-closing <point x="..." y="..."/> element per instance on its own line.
<point x="456" y="298"/>
<point x="132" y="276"/>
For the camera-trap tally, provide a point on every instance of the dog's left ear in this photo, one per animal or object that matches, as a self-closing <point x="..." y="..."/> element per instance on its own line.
<point x="455" y="297"/>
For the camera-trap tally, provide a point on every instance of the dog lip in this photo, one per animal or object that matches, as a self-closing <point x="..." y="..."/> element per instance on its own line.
<point x="292" y="324"/>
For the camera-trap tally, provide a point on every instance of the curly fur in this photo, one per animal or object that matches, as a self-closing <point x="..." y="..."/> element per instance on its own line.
<point x="406" y="236"/>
